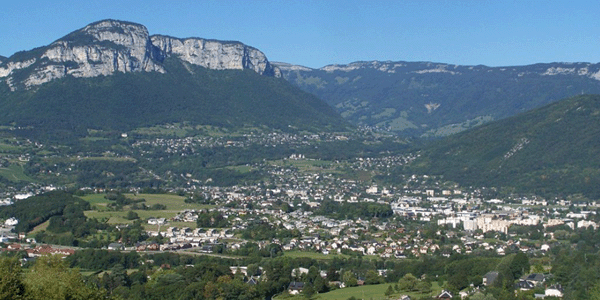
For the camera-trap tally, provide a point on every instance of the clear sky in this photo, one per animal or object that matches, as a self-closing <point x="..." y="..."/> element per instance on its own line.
<point x="318" y="33"/>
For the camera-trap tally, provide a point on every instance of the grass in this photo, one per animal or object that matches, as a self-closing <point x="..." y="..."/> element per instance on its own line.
<point x="306" y="165"/>
<point x="118" y="217"/>
<point x="163" y="131"/>
<point x="312" y="255"/>
<point x="101" y="273"/>
<point x="374" y="292"/>
<point x="93" y="139"/>
<point x="163" y="228"/>
<point x="87" y="273"/>
<point x="240" y="169"/>
<point x="7" y="148"/>
<point x="173" y="202"/>
<point x="15" y="173"/>
<point x="360" y="175"/>
<point x="100" y="158"/>
<point x="97" y="200"/>
<point x="40" y="227"/>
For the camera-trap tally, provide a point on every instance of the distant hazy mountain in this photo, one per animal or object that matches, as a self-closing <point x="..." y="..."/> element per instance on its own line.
<point x="113" y="75"/>
<point x="436" y="99"/>
<point x="554" y="149"/>
<point x="2" y="58"/>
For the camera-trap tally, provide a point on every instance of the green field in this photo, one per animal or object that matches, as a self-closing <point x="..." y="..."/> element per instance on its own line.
<point x="306" y="165"/>
<point x="40" y="227"/>
<point x="175" y="129"/>
<point x="174" y="204"/>
<point x="100" y="158"/>
<point x="97" y="200"/>
<point x="240" y="169"/>
<point x="8" y="148"/>
<point x="15" y="173"/>
<point x="93" y="139"/>
<point x="375" y="292"/>
<point x="313" y="255"/>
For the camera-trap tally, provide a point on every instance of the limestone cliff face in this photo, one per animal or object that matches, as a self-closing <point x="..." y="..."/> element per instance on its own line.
<point x="109" y="46"/>
<point x="216" y="55"/>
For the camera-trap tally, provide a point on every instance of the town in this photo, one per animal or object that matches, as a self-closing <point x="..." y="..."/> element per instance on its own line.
<point x="295" y="204"/>
<point x="307" y="208"/>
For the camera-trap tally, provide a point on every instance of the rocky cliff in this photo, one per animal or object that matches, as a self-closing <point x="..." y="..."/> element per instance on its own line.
<point x="110" y="46"/>
<point x="216" y="55"/>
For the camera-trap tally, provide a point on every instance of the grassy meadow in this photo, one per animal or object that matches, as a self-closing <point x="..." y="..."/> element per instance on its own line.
<point x="15" y="173"/>
<point x="312" y="255"/>
<point x="374" y="292"/>
<point x="174" y="204"/>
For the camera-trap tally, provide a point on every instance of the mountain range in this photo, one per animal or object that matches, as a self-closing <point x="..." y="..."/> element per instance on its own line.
<point x="419" y="99"/>
<point x="425" y="99"/>
<point x="113" y="75"/>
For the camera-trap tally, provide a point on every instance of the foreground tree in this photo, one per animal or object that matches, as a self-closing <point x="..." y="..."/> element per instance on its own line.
<point x="390" y="291"/>
<point x="349" y="279"/>
<point x="408" y="282"/>
<point x="50" y="278"/>
<point x="11" y="281"/>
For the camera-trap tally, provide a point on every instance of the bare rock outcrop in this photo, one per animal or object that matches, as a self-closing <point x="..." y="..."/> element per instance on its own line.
<point x="109" y="46"/>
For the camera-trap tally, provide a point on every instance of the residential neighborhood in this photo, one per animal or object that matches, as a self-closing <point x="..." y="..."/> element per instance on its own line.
<point x="305" y="207"/>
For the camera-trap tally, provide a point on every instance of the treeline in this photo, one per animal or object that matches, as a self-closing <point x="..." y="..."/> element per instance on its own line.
<point x="213" y="219"/>
<point x="38" y="209"/>
<point x="96" y="259"/>
<point x="174" y="276"/>
<point x="345" y="210"/>
<point x="49" y="278"/>
<point x="263" y="231"/>
<point x="67" y="223"/>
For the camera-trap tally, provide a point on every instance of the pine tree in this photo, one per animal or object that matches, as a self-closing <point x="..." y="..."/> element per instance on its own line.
<point x="389" y="291"/>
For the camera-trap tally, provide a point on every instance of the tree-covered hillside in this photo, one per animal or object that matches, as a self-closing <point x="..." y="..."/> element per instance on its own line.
<point x="554" y="149"/>
<point x="436" y="99"/>
<point x="228" y="98"/>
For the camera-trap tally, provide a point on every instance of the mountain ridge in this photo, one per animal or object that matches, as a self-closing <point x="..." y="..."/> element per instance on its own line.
<point x="427" y="99"/>
<point x="112" y="75"/>
<point x="551" y="150"/>
<point x="108" y="46"/>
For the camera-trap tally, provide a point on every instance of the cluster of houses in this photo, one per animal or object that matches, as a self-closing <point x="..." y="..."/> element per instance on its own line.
<point x="529" y="282"/>
<point x="450" y="209"/>
<point x="188" y="145"/>
<point x="184" y="237"/>
<point x="38" y="250"/>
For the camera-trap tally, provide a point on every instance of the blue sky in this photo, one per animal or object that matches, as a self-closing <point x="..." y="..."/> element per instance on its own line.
<point x="318" y="33"/>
